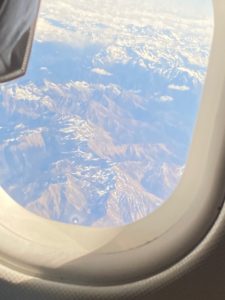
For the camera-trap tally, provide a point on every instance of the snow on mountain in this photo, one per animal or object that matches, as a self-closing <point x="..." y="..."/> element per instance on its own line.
<point x="61" y="153"/>
<point x="97" y="132"/>
<point x="128" y="31"/>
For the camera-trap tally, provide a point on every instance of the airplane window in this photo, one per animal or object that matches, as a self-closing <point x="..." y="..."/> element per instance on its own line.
<point x="97" y="132"/>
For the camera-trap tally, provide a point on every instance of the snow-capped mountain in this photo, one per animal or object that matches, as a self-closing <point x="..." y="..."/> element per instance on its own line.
<point x="97" y="132"/>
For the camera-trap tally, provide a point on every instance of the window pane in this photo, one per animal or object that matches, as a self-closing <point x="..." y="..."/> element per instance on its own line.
<point x="97" y="132"/>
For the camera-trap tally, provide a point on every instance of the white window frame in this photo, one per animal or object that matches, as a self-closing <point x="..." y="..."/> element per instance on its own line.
<point x="58" y="252"/>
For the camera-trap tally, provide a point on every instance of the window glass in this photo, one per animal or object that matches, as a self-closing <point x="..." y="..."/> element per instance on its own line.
<point x="97" y="132"/>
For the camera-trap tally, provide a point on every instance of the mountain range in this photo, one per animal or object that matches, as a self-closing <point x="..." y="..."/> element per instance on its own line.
<point x="97" y="132"/>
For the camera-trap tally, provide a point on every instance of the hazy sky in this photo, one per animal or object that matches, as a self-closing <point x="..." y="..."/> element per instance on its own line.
<point x="196" y="8"/>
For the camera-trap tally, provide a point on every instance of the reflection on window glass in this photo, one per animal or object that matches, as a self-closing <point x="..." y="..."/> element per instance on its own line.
<point x="97" y="132"/>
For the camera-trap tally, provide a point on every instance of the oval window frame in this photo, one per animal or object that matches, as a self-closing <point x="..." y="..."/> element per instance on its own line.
<point x="73" y="254"/>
